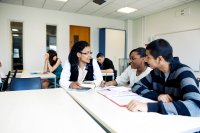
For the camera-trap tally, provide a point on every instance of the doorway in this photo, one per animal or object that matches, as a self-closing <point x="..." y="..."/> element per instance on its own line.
<point x="79" y="33"/>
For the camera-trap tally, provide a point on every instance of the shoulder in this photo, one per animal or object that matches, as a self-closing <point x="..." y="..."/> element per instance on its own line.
<point x="59" y="60"/>
<point x="148" y="69"/>
<point x="94" y="61"/>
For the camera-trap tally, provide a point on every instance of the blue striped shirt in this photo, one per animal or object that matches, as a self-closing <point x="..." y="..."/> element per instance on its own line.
<point x="181" y="85"/>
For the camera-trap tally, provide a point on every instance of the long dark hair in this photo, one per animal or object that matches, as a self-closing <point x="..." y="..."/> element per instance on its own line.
<point x="52" y="53"/>
<point x="78" y="47"/>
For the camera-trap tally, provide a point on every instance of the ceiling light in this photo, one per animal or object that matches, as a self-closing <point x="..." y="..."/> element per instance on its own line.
<point x="126" y="10"/>
<point x="15" y="30"/>
<point x="62" y="0"/>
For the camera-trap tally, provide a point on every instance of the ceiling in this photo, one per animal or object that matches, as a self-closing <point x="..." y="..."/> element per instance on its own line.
<point x="107" y="9"/>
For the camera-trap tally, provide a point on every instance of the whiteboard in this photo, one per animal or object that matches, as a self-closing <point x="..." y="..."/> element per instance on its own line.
<point x="186" y="45"/>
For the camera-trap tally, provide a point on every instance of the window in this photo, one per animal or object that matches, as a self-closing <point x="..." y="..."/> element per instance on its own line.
<point x="17" y="45"/>
<point x="51" y="37"/>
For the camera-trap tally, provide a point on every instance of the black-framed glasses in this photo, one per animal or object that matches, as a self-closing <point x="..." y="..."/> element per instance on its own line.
<point x="87" y="53"/>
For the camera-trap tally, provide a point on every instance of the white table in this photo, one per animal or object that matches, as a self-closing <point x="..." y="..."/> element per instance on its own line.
<point x="120" y="120"/>
<point x="26" y="74"/>
<point x="43" y="111"/>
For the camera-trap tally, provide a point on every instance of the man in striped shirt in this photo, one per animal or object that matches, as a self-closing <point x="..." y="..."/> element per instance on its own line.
<point x="170" y="83"/>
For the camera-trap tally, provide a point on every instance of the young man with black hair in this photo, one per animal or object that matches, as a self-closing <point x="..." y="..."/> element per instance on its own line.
<point x="106" y="65"/>
<point x="170" y="83"/>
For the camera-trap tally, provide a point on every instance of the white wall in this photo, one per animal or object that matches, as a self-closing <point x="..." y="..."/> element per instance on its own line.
<point x="34" y="31"/>
<point x="165" y="22"/>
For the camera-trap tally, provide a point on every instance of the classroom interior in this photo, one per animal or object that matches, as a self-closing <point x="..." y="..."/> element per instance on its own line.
<point x="179" y="22"/>
<point x="139" y="31"/>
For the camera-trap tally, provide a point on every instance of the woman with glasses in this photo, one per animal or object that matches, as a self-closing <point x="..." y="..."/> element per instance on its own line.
<point x="137" y="69"/>
<point x="80" y="67"/>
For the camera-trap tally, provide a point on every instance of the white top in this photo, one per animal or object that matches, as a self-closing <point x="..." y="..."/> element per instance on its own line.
<point x="120" y="120"/>
<point x="43" y="111"/>
<point x="129" y="74"/>
<point x="65" y="75"/>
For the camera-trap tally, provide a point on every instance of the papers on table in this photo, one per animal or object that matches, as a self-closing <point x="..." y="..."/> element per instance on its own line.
<point x="87" y="86"/>
<point x="121" y="95"/>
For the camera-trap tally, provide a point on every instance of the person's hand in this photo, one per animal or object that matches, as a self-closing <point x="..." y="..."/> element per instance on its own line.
<point x="136" y="106"/>
<point x="110" y="83"/>
<point x="165" y="98"/>
<point x="75" y="85"/>
<point x="46" y="56"/>
<point x="102" y="84"/>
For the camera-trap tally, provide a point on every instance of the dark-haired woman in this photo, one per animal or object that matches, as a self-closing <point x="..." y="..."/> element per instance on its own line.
<point x="80" y="67"/>
<point x="52" y="64"/>
<point x="135" y="71"/>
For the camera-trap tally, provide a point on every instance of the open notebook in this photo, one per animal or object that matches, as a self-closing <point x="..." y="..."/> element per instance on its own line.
<point x="122" y="95"/>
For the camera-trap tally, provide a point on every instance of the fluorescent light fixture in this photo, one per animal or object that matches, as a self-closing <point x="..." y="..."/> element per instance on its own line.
<point x="15" y="30"/>
<point x="15" y="35"/>
<point x="62" y="0"/>
<point x="126" y="10"/>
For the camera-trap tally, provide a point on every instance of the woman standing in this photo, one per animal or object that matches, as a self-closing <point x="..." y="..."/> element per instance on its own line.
<point x="80" y="67"/>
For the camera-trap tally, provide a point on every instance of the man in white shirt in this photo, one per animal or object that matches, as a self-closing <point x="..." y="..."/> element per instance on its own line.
<point x="137" y="69"/>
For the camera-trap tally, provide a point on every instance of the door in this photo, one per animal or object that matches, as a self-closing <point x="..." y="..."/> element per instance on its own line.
<point x="79" y="33"/>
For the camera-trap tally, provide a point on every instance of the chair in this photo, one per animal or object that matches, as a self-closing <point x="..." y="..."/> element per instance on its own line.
<point x="15" y="72"/>
<point x="25" y="84"/>
<point x="5" y="82"/>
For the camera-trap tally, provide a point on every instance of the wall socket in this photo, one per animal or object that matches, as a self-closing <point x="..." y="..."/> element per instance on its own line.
<point x="183" y="12"/>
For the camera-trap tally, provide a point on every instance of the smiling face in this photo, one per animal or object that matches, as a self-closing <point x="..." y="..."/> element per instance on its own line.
<point x="85" y="55"/>
<point x="136" y="60"/>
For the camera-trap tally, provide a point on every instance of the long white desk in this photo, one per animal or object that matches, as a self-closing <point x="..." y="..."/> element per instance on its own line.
<point x="120" y="120"/>
<point x="26" y="74"/>
<point x="43" y="111"/>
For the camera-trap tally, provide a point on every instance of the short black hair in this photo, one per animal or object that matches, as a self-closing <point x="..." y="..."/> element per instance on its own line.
<point x="140" y="50"/>
<point x="160" y="47"/>
<point x="100" y="55"/>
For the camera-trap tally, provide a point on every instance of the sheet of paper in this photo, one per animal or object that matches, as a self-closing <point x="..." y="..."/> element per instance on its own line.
<point x="120" y="89"/>
<point x="122" y="96"/>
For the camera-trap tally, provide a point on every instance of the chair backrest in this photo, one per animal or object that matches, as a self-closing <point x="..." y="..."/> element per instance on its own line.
<point x="25" y="84"/>
<point x="115" y="74"/>
<point x="15" y="72"/>
<point x="5" y="82"/>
